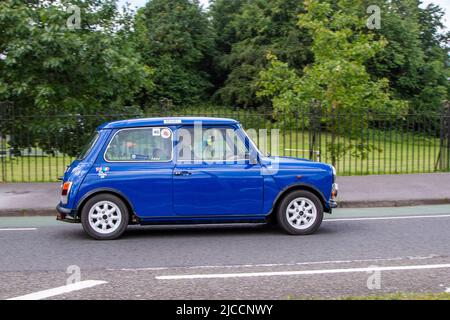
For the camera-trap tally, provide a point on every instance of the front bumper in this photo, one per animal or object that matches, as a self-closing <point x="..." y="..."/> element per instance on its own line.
<point x="333" y="204"/>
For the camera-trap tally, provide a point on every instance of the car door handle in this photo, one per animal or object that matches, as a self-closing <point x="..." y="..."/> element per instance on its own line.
<point x="182" y="173"/>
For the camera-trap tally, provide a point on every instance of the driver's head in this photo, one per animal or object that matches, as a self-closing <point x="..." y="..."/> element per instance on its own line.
<point x="210" y="141"/>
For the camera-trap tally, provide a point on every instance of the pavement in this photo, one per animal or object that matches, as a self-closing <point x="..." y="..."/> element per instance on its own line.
<point x="394" y="190"/>
<point x="25" y="199"/>
<point x="356" y="252"/>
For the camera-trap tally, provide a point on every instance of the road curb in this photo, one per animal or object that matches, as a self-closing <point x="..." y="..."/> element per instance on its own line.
<point x="45" y="212"/>
<point x="391" y="203"/>
<point x="342" y="204"/>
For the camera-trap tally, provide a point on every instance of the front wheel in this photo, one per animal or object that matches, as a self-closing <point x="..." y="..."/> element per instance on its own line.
<point x="300" y="213"/>
<point x="105" y="217"/>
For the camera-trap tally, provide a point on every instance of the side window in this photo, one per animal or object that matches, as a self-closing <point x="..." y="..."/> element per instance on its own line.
<point x="237" y="147"/>
<point x="213" y="145"/>
<point x="210" y="145"/>
<point x="140" y="145"/>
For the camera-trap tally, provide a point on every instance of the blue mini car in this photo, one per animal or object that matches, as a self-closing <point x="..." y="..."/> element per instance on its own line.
<point x="190" y="171"/>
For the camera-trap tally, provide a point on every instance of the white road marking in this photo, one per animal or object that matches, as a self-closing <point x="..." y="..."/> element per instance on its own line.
<point x="140" y="269"/>
<point x="299" y="273"/>
<point x="60" y="290"/>
<point x="262" y="265"/>
<point x="256" y="265"/>
<point x="18" y="229"/>
<point x="388" y="218"/>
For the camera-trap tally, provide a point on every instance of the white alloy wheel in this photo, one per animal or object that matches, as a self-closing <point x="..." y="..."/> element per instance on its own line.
<point x="105" y="217"/>
<point x="301" y="213"/>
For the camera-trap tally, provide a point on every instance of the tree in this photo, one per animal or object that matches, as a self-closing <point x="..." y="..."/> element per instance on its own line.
<point x="48" y="69"/>
<point x="246" y="32"/>
<point x="434" y="87"/>
<point x="337" y="79"/>
<point x="222" y="13"/>
<point x="415" y="57"/>
<point x="175" y="37"/>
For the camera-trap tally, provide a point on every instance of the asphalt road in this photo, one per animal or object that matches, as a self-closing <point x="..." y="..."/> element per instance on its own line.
<point x="394" y="249"/>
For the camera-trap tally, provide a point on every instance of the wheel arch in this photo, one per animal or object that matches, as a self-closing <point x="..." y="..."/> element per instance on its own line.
<point x="93" y="193"/>
<point x="296" y="187"/>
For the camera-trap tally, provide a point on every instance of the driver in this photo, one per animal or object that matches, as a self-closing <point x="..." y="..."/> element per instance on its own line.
<point x="209" y="150"/>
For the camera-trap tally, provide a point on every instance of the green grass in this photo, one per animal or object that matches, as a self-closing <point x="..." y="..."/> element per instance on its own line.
<point x="33" y="169"/>
<point x="385" y="296"/>
<point x="393" y="153"/>
<point x="403" y="296"/>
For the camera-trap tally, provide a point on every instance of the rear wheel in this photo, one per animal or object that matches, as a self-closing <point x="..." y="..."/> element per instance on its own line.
<point x="300" y="213"/>
<point x="105" y="217"/>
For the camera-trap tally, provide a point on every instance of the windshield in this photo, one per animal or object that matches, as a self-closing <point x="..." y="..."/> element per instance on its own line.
<point x="88" y="146"/>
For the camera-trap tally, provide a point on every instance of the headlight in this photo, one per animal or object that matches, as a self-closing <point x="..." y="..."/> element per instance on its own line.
<point x="334" y="191"/>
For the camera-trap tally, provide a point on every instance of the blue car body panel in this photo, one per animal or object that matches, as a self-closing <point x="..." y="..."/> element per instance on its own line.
<point x="219" y="192"/>
<point x="292" y="172"/>
<point x="147" y="186"/>
<point x="218" y="189"/>
<point x="78" y="169"/>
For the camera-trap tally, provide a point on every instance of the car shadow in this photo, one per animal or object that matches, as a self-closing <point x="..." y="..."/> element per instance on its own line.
<point x="221" y="230"/>
<point x="209" y="230"/>
<point x="200" y="230"/>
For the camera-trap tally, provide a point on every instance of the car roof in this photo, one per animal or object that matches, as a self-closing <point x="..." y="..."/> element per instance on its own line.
<point x="148" y="122"/>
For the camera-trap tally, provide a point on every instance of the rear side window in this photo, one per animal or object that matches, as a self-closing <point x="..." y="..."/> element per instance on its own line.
<point x="141" y="145"/>
<point x="88" y="146"/>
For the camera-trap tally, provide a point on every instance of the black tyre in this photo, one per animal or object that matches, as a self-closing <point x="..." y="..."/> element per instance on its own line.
<point x="300" y="213"/>
<point x="105" y="217"/>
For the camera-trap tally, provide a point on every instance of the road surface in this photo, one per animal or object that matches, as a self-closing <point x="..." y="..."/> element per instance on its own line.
<point x="356" y="252"/>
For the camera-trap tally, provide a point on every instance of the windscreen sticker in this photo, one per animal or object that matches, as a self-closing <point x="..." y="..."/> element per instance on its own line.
<point x="156" y="132"/>
<point x="102" y="171"/>
<point x="165" y="133"/>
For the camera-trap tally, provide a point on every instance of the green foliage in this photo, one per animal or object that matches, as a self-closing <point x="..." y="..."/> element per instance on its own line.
<point x="50" y="69"/>
<point x="415" y="58"/>
<point x="175" y="37"/>
<point x="246" y="32"/>
<point x="337" y="82"/>
<point x="250" y="54"/>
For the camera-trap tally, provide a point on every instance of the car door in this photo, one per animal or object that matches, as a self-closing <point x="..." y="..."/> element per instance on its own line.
<point x="212" y="176"/>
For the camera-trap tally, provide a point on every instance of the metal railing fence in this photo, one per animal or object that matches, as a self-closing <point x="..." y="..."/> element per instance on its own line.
<point x="38" y="148"/>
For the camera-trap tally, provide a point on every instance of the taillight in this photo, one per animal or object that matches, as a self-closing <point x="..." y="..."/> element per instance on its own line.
<point x="65" y="192"/>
